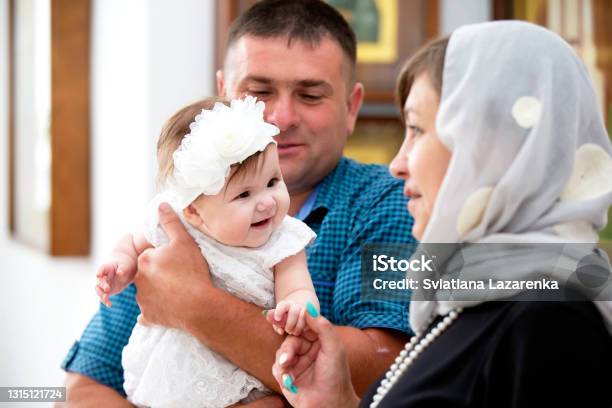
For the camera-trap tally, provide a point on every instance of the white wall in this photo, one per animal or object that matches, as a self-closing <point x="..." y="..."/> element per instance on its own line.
<point x="149" y="58"/>
<point x="455" y="13"/>
<point x="44" y="304"/>
<point x="4" y="165"/>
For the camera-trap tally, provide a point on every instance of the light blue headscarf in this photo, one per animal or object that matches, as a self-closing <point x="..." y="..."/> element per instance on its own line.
<point x="530" y="154"/>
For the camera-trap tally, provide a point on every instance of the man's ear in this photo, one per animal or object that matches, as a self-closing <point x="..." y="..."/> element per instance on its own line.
<point x="354" y="102"/>
<point x="220" y="83"/>
<point x="192" y="216"/>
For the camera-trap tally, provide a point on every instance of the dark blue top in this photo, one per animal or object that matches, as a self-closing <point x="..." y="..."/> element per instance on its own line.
<point x="511" y="354"/>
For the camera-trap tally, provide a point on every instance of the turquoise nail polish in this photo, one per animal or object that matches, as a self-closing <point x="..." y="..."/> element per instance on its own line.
<point x="288" y="382"/>
<point x="312" y="310"/>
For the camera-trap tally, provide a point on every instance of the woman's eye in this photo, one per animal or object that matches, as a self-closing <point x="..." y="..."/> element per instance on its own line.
<point x="415" y="130"/>
<point x="244" y="194"/>
<point x="272" y="182"/>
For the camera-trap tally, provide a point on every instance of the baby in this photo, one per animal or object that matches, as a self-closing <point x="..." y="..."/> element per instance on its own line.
<point x="221" y="174"/>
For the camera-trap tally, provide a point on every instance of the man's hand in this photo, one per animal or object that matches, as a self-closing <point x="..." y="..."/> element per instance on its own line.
<point x="272" y="401"/>
<point x="83" y="392"/>
<point x="171" y="278"/>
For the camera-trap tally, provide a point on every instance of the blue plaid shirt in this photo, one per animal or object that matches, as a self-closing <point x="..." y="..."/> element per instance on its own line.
<point x="353" y="205"/>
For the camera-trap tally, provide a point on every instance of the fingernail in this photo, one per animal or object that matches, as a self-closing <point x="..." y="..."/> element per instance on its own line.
<point x="164" y="208"/>
<point x="288" y="383"/>
<point x="282" y="359"/>
<point x="312" y="310"/>
<point x="264" y="312"/>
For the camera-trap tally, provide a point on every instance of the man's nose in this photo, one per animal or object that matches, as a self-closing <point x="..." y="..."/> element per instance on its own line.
<point x="282" y="112"/>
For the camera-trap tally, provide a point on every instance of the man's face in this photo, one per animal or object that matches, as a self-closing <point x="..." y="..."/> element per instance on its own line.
<point x="306" y="96"/>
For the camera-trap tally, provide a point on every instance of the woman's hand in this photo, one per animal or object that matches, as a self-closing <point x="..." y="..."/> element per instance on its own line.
<point x="312" y="369"/>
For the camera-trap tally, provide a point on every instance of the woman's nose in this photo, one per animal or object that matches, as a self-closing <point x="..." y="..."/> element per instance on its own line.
<point x="399" y="164"/>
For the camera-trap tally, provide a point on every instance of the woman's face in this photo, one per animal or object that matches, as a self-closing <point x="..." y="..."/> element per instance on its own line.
<point x="423" y="159"/>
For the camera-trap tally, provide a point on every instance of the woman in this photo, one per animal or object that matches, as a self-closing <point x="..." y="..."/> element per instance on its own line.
<point x="504" y="144"/>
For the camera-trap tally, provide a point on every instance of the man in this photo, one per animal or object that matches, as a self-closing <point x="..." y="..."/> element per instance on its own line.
<point x="299" y="58"/>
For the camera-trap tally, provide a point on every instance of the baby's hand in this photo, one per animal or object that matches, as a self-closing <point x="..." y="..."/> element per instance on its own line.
<point x="288" y="317"/>
<point x="113" y="277"/>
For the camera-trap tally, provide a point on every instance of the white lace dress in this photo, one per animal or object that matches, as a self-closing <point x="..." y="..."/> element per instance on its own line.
<point x="169" y="367"/>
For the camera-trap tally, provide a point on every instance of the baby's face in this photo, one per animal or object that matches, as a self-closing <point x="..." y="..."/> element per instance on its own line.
<point x="249" y="208"/>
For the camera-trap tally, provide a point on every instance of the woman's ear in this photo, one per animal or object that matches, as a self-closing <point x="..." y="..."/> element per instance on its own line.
<point x="192" y="216"/>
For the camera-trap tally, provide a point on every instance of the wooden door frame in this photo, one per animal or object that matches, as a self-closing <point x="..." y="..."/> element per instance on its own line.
<point x="70" y="210"/>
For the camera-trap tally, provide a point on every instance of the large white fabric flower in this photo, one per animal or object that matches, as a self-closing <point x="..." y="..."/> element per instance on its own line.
<point x="236" y="129"/>
<point x="219" y="137"/>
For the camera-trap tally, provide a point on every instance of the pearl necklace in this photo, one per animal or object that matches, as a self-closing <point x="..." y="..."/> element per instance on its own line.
<point x="411" y="351"/>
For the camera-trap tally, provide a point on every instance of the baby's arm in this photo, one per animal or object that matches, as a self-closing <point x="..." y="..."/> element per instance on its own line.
<point x="293" y="288"/>
<point x="118" y="273"/>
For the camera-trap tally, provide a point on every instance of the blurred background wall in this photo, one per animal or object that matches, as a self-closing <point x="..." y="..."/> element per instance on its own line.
<point x="147" y="59"/>
<point x="144" y="59"/>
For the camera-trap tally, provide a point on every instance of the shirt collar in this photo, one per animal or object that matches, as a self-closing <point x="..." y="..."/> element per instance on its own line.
<point x="308" y="205"/>
<point x="325" y="193"/>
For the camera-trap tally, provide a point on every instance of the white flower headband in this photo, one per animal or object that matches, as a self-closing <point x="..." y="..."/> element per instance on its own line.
<point x="218" y="138"/>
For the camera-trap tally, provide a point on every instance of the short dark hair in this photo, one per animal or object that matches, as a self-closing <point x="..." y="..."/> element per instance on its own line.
<point x="309" y="21"/>
<point x="428" y="59"/>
